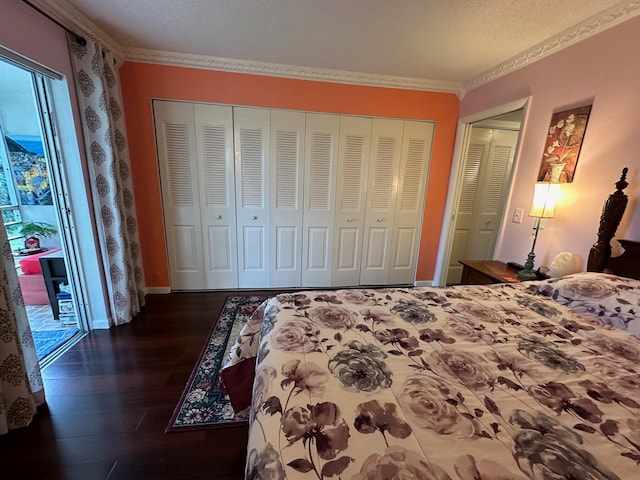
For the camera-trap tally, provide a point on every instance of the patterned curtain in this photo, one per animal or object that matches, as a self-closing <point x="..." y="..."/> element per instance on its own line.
<point x="110" y="175"/>
<point x="21" y="388"/>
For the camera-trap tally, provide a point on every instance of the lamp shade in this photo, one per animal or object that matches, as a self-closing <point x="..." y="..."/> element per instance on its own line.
<point x="544" y="199"/>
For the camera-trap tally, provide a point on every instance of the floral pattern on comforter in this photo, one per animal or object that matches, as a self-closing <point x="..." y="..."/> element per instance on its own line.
<point x="477" y="382"/>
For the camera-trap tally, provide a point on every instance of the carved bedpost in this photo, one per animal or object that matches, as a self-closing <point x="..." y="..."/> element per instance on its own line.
<point x="609" y="220"/>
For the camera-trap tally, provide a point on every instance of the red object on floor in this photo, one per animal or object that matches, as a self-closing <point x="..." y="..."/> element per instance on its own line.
<point x="34" y="291"/>
<point x="31" y="264"/>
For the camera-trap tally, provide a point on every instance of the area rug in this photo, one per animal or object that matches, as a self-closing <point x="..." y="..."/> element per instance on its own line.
<point x="46" y="341"/>
<point x="202" y="404"/>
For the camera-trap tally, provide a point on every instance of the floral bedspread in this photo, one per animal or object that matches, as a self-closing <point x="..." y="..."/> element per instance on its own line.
<point x="476" y="382"/>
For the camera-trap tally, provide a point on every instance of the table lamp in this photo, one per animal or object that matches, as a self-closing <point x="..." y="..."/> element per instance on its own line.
<point x="544" y="202"/>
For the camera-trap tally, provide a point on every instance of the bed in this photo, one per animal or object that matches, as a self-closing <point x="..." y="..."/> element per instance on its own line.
<point x="510" y="381"/>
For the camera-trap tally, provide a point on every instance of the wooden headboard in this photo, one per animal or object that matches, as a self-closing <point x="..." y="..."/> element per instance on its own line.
<point x="600" y="259"/>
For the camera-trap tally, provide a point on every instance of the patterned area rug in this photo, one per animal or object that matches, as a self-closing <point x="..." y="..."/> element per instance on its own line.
<point x="202" y="404"/>
<point x="48" y="340"/>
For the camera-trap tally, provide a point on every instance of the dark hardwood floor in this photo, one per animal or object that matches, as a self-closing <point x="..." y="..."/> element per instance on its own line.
<point x="111" y="396"/>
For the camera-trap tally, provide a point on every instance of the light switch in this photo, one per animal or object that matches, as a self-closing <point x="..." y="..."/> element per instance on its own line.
<point x="517" y="215"/>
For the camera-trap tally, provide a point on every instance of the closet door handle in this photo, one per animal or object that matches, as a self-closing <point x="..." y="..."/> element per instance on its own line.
<point x="253" y="217"/>
<point x="379" y="219"/>
<point x="218" y="217"/>
<point x="349" y="219"/>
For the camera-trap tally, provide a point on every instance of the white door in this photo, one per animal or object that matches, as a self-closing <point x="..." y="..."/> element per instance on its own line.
<point x="386" y="144"/>
<point x="251" y="138"/>
<point x="321" y="152"/>
<point x="214" y="140"/>
<point x="175" y="136"/>
<point x="349" y="219"/>
<point x="485" y="175"/>
<point x="287" y="170"/>
<point x="412" y="183"/>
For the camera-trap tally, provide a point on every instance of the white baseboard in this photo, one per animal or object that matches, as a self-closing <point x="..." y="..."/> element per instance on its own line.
<point x="423" y="283"/>
<point x="158" y="290"/>
<point x="100" y="324"/>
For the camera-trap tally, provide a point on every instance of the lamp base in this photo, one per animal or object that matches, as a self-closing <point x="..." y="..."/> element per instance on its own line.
<point x="527" y="273"/>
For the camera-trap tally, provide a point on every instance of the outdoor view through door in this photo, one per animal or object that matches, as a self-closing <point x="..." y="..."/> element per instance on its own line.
<point x="29" y="213"/>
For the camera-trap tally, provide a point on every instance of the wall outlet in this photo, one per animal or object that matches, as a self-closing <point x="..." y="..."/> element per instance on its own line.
<point x="518" y="213"/>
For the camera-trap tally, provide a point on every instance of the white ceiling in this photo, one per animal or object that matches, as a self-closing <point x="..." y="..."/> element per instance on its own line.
<point x="454" y="41"/>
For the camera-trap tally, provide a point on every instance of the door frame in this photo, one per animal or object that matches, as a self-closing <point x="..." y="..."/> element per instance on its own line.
<point x="463" y="135"/>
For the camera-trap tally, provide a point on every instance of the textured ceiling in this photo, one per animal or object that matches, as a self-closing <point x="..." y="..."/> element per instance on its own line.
<point x="440" y="40"/>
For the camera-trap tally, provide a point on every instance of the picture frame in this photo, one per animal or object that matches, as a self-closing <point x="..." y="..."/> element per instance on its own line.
<point x="564" y="141"/>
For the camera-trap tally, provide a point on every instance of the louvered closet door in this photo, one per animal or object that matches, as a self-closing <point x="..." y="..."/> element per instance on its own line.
<point x="480" y="204"/>
<point x="214" y="140"/>
<point x="386" y="144"/>
<point x="321" y="152"/>
<point x="251" y="138"/>
<point x="489" y="201"/>
<point x="175" y="137"/>
<point x="412" y="182"/>
<point x="353" y="163"/>
<point x="287" y="169"/>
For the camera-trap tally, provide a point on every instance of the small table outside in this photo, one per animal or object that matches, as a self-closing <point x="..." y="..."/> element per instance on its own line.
<point x="54" y="273"/>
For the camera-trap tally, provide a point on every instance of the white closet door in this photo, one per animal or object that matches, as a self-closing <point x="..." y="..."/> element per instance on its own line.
<point x="412" y="183"/>
<point x="321" y="152"/>
<point x="175" y="137"/>
<point x="251" y="138"/>
<point x="349" y="220"/>
<point x="287" y="169"/>
<point x="214" y="140"/>
<point x="485" y="179"/>
<point x="386" y="144"/>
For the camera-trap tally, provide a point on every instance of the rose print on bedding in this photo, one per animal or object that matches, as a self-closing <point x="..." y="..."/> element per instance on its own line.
<point x="478" y="312"/>
<point x="538" y="306"/>
<point x="336" y="318"/>
<point x="361" y="367"/>
<point x="469" y="468"/>
<point x="295" y="335"/>
<point x="398" y="463"/>
<point x="358" y="297"/>
<point x="413" y="312"/>
<point x="462" y="327"/>
<point x="264" y="465"/>
<point x="431" y="404"/>
<point x="547" y="354"/>
<point x="548" y="450"/>
<point x="465" y="366"/>
<point x="628" y="349"/>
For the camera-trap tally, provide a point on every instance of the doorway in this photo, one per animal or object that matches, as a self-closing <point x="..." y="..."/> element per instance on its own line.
<point x="31" y="215"/>
<point x="479" y="187"/>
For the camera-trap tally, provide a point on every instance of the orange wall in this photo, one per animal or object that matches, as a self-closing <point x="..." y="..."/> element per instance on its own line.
<point x="143" y="82"/>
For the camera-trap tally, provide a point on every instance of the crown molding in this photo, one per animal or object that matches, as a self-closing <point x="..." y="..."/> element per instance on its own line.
<point x="77" y="21"/>
<point x="73" y="18"/>
<point x="287" y="71"/>
<point x="564" y="39"/>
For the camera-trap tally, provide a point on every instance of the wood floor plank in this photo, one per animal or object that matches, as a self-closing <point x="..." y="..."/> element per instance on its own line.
<point x="111" y="396"/>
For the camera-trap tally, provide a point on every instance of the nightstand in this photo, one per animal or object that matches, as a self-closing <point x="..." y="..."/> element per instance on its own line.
<point x="482" y="272"/>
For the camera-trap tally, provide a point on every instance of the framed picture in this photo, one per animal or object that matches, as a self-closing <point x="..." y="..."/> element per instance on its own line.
<point x="564" y="140"/>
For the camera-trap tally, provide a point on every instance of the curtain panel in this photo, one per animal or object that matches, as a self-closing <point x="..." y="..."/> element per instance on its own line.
<point x="110" y="175"/>
<point x="21" y="387"/>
